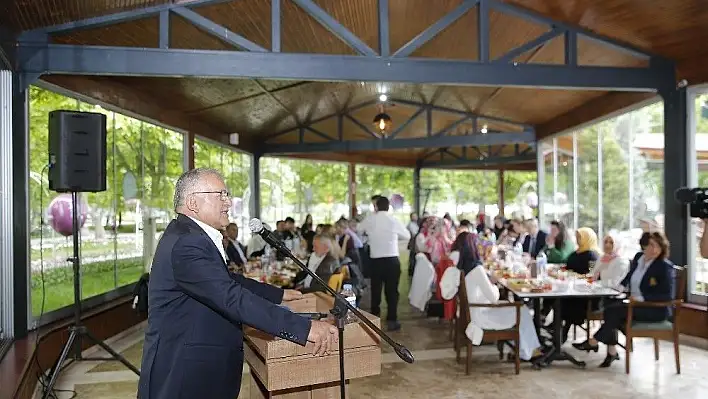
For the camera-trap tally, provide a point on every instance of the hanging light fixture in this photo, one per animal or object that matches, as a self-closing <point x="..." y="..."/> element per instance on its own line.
<point x="382" y="121"/>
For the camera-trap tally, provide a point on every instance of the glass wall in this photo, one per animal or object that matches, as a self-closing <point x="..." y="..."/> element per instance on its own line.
<point x="120" y="226"/>
<point x="394" y="183"/>
<point x="698" y="177"/>
<point x="609" y="176"/>
<point x="235" y="167"/>
<point x="461" y="193"/>
<point x="296" y="188"/>
<point x="520" y="193"/>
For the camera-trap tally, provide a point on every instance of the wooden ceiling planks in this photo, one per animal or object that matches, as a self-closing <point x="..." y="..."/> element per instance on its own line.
<point x="676" y="30"/>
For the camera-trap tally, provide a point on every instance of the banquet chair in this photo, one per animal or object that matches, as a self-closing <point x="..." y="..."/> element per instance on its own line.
<point x="511" y="334"/>
<point x="667" y="330"/>
<point x="336" y="280"/>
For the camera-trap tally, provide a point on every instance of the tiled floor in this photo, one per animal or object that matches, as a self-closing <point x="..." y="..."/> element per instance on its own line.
<point x="435" y="374"/>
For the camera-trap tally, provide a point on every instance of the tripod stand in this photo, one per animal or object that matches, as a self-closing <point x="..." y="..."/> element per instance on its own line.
<point x="78" y="330"/>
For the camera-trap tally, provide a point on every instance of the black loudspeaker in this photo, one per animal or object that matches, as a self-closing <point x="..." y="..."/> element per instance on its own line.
<point x="77" y="151"/>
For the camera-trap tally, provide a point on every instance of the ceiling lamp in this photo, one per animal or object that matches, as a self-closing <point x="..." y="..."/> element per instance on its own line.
<point x="382" y="121"/>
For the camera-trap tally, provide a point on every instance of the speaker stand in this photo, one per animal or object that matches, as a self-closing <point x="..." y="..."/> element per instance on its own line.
<point x="78" y="330"/>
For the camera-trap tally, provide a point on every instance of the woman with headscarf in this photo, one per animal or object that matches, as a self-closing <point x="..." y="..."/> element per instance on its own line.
<point x="480" y="290"/>
<point x="611" y="268"/>
<point x="582" y="261"/>
<point x="438" y="240"/>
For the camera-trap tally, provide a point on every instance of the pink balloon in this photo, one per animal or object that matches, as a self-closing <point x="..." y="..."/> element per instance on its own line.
<point x="396" y="201"/>
<point x="60" y="216"/>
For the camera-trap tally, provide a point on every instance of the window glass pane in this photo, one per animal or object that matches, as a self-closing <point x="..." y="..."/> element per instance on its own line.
<point x="51" y="242"/>
<point x="519" y="189"/>
<point x="698" y="277"/>
<point x="296" y="188"/>
<point x="235" y="166"/>
<point x="388" y="181"/>
<point x="548" y="152"/>
<point x="587" y="141"/>
<point x="461" y="193"/>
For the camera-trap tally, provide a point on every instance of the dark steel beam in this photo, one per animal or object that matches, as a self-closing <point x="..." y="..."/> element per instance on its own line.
<point x="531" y="16"/>
<point x="453" y="111"/>
<point x="7" y="49"/>
<point x="382" y="144"/>
<point x="127" y="61"/>
<point x="164" y="37"/>
<point x="483" y="30"/>
<point x="120" y="17"/>
<point x="217" y="30"/>
<point x="361" y="126"/>
<point x="384" y="24"/>
<point x="335" y="27"/>
<point x="434" y="29"/>
<point x="275" y="25"/>
<point x="453" y="125"/>
<point x="571" y="48"/>
<point x="456" y="163"/>
<point x="319" y="133"/>
<point x="405" y="124"/>
<point x="528" y="46"/>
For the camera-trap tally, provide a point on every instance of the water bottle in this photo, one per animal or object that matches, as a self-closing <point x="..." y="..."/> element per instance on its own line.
<point x="350" y="295"/>
<point x="541" y="261"/>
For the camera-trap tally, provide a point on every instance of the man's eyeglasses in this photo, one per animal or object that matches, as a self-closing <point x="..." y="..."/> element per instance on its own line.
<point x="223" y="194"/>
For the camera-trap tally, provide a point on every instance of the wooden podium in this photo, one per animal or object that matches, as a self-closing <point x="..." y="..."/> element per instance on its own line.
<point x="282" y="369"/>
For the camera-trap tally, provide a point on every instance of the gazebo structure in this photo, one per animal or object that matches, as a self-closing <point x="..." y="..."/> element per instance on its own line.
<point x="468" y="84"/>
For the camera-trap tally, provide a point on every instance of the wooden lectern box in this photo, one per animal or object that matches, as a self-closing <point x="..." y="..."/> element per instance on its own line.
<point x="282" y="369"/>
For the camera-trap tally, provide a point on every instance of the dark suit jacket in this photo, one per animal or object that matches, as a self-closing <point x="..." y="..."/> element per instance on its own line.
<point x="233" y="255"/>
<point x="194" y="338"/>
<point x="540" y="243"/>
<point x="324" y="271"/>
<point x="656" y="286"/>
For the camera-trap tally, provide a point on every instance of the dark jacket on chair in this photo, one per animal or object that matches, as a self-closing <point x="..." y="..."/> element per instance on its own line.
<point x="194" y="338"/>
<point x="656" y="286"/>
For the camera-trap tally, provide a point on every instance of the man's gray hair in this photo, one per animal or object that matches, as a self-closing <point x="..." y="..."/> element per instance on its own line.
<point x="189" y="182"/>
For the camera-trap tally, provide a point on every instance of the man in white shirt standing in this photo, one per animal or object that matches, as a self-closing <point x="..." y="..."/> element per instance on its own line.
<point x="383" y="232"/>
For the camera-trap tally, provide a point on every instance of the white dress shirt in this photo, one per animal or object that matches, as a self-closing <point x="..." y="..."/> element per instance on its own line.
<point x="383" y="231"/>
<point x="237" y="245"/>
<point x="313" y="263"/>
<point x="215" y="236"/>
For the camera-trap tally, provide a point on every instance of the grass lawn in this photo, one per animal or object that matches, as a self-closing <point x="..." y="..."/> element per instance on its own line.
<point x="97" y="278"/>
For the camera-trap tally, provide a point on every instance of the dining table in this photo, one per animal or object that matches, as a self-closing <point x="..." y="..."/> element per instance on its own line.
<point x="557" y="285"/>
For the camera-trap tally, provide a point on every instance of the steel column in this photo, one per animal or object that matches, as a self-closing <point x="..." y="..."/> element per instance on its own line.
<point x="255" y="185"/>
<point x="416" y="189"/>
<point x="676" y="154"/>
<point x="188" y="151"/>
<point x="540" y="184"/>
<point x="7" y="300"/>
<point x="20" y="209"/>
<point x="7" y="50"/>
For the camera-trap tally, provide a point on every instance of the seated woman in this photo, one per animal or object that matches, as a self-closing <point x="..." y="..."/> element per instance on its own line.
<point x="558" y="245"/>
<point x="651" y="279"/>
<point x="612" y="268"/>
<point x="481" y="290"/>
<point x="582" y="261"/>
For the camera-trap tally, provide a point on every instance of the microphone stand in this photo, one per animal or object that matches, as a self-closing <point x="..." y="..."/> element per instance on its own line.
<point x="339" y="310"/>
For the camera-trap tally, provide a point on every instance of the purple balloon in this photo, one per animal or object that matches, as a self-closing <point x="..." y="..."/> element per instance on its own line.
<point x="397" y="201"/>
<point x="60" y="216"/>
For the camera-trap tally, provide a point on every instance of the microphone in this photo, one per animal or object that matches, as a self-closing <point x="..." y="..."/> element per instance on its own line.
<point x="257" y="227"/>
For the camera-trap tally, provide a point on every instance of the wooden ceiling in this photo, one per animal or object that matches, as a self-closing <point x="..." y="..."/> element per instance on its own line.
<point x="257" y="109"/>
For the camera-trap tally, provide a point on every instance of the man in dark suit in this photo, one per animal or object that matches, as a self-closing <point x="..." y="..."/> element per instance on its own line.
<point x="535" y="239"/>
<point x="235" y="252"/>
<point x="194" y="338"/>
<point x="321" y="261"/>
